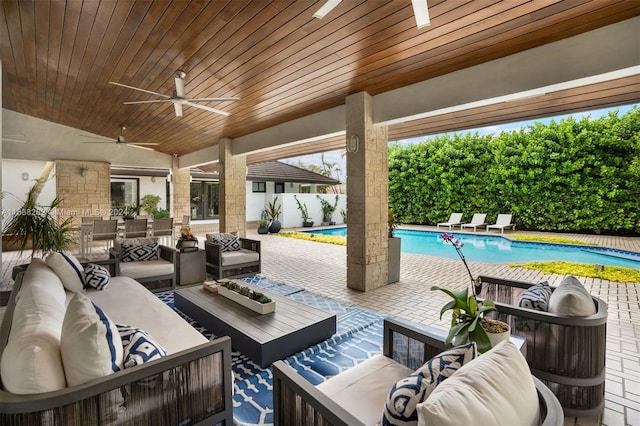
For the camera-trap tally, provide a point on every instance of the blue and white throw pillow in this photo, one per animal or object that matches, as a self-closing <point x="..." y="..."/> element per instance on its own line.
<point x="228" y="241"/>
<point x="536" y="297"/>
<point x="137" y="253"/>
<point x="97" y="276"/>
<point x="68" y="269"/>
<point x="406" y="394"/>
<point x="139" y="347"/>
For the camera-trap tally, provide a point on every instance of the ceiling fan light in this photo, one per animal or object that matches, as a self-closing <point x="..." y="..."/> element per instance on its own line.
<point x="326" y="8"/>
<point x="421" y="13"/>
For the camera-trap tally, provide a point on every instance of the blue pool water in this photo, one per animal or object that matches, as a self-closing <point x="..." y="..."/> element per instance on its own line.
<point x="497" y="249"/>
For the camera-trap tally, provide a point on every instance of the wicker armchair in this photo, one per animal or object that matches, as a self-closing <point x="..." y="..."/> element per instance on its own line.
<point x="566" y="353"/>
<point x="228" y="264"/>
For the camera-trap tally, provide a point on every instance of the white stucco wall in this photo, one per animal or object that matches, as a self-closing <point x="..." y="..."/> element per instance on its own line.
<point x="159" y="187"/>
<point x="15" y="188"/>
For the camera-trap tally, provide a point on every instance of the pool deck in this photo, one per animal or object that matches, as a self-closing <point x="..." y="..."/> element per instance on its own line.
<point x="321" y="268"/>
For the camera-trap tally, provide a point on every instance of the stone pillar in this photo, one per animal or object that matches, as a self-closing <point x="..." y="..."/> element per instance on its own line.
<point x="367" y="196"/>
<point x="233" y="188"/>
<point x="84" y="188"/>
<point x="180" y="191"/>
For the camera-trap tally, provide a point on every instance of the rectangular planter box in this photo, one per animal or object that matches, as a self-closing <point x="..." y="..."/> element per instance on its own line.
<point x="261" y="308"/>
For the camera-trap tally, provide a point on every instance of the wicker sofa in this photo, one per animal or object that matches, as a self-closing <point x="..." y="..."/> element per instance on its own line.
<point x="566" y="353"/>
<point x="192" y="384"/>
<point x="296" y="401"/>
<point x="223" y="263"/>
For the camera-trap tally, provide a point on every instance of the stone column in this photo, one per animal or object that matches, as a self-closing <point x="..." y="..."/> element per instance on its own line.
<point x="233" y="198"/>
<point x="180" y="191"/>
<point x="367" y="196"/>
<point x="84" y="188"/>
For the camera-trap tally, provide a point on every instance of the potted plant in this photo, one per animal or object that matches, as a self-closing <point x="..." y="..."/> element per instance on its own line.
<point x="273" y="210"/>
<point x="131" y="211"/>
<point x="394" y="249"/>
<point x="467" y="321"/>
<point x="187" y="241"/>
<point x="327" y="210"/>
<point x="38" y="226"/>
<point x="304" y="212"/>
<point x="263" y="226"/>
<point x="149" y="203"/>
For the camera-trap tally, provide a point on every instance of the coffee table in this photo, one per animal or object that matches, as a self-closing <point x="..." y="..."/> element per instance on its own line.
<point x="263" y="338"/>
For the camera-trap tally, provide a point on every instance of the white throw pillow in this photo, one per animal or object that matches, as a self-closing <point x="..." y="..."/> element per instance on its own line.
<point x="571" y="299"/>
<point x="494" y="389"/>
<point x="68" y="269"/>
<point x="90" y="343"/>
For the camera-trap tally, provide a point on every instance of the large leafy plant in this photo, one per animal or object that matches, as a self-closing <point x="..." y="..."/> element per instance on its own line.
<point x="273" y="209"/>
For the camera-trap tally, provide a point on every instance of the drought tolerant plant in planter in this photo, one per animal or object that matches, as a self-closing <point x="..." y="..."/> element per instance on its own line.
<point x="263" y="226"/>
<point x="253" y="300"/>
<point x="304" y="212"/>
<point x="467" y="320"/>
<point x="327" y="210"/>
<point x="273" y="210"/>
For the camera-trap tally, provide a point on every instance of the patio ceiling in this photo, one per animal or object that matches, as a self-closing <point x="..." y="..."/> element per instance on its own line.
<point x="59" y="57"/>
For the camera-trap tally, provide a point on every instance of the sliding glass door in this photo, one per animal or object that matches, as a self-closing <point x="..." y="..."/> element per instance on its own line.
<point x="205" y="200"/>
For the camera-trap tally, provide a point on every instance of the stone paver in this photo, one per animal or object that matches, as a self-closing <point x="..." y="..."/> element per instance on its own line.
<point x="321" y="268"/>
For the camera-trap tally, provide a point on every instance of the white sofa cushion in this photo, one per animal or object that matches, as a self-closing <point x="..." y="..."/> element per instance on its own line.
<point x="146" y="268"/>
<point x="363" y="389"/>
<point x="90" y="343"/>
<point x="570" y="298"/>
<point x="239" y="256"/>
<point x="122" y="301"/>
<point x="69" y="269"/>
<point x="494" y="389"/>
<point x="31" y="361"/>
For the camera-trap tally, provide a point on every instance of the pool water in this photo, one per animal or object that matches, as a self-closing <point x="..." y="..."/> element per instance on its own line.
<point x="497" y="249"/>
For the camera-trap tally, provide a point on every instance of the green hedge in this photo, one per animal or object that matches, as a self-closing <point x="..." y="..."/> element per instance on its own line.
<point x="572" y="175"/>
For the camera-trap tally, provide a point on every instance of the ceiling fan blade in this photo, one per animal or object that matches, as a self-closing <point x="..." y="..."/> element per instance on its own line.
<point x="142" y="143"/>
<point x="138" y="89"/>
<point x="13" y="140"/>
<point x="146" y="102"/>
<point x="179" y="87"/>
<point x="141" y="147"/>
<point x="421" y="13"/>
<point x="99" y="141"/>
<point x="206" y="108"/>
<point x="178" y="107"/>
<point x="212" y="99"/>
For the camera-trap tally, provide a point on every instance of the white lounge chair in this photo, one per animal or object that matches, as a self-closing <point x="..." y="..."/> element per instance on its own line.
<point x="503" y="222"/>
<point x="476" y="221"/>
<point x="454" y="219"/>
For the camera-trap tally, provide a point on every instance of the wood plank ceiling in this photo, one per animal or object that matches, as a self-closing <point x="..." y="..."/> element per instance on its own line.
<point x="58" y="58"/>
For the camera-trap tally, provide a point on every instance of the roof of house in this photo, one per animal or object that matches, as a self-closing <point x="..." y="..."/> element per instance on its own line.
<point x="271" y="171"/>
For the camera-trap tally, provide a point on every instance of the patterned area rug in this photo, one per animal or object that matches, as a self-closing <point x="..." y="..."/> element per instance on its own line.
<point x="358" y="337"/>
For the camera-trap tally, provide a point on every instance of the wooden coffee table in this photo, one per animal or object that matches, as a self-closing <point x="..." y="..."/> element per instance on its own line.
<point x="262" y="338"/>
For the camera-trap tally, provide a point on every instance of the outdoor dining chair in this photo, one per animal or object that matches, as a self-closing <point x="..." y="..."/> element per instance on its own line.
<point x="163" y="229"/>
<point x="104" y="230"/>
<point x="135" y="228"/>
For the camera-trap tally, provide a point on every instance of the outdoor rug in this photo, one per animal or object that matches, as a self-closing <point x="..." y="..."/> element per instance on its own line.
<point x="358" y="337"/>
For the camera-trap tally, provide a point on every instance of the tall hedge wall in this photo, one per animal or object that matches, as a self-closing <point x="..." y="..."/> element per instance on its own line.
<point x="572" y="175"/>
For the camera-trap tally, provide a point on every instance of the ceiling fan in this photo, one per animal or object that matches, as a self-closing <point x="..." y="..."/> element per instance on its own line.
<point x="120" y="140"/>
<point x="420" y="11"/>
<point x="178" y="97"/>
<point x="14" y="139"/>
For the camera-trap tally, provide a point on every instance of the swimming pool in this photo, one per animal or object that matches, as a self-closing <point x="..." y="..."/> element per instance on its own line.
<point x="497" y="249"/>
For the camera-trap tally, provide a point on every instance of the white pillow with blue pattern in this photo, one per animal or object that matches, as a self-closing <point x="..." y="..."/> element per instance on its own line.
<point x="139" y="347"/>
<point x="68" y="269"/>
<point x="536" y="297"/>
<point x="406" y="394"/>
<point x="138" y="253"/>
<point x="97" y="276"/>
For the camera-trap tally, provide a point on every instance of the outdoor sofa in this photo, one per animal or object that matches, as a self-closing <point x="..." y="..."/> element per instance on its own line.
<point x="190" y="385"/>
<point x="229" y="256"/>
<point x="357" y="396"/>
<point x="566" y="352"/>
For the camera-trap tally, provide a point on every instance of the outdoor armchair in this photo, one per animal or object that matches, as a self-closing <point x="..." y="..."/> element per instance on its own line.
<point x="229" y="256"/>
<point x="157" y="273"/>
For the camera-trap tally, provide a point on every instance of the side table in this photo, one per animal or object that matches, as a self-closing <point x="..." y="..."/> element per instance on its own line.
<point x="191" y="267"/>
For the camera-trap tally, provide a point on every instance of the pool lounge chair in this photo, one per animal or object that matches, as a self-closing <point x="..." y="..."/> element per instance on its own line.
<point x="476" y="221"/>
<point x="454" y="219"/>
<point x="503" y="222"/>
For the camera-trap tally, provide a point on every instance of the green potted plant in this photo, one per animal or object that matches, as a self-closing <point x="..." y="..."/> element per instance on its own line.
<point x="263" y="226"/>
<point x="304" y="212"/>
<point x="131" y="211"/>
<point x="273" y="210"/>
<point x="38" y="226"/>
<point x="149" y="203"/>
<point x="467" y="321"/>
<point x="327" y="210"/>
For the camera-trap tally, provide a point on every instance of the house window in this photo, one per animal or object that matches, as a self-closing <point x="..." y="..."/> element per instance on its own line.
<point x="279" y="188"/>
<point x="124" y="192"/>
<point x="259" y="186"/>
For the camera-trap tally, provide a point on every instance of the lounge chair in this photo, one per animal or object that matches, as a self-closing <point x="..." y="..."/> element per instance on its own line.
<point x="476" y="220"/>
<point x="503" y="222"/>
<point x="454" y="219"/>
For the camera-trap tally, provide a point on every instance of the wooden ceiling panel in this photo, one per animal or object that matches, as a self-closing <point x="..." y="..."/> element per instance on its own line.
<point x="59" y="56"/>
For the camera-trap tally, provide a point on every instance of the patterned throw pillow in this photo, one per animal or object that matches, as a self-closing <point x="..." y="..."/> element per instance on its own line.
<point x="407" y="393"/>
<point x="139" y="347"/>
<point x="536" y="297"/>
<point x="137" y="253"/>
<point x="229" y="242"/>
<point x="68" y="269"/>
<point x="97" y="276"/>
